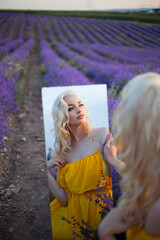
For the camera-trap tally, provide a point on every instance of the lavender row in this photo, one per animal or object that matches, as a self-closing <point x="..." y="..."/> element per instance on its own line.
<point x="13" y="22"/>
<point x="151" y="28"/>
<point x="94" y="31"/>
<point x="49" y="36"/>
<point x="13" y="27"/>
<point x="90" y="31"/>
<point x="7" y="104"/>
<point x="74" y="31"/>
<point x="112" y="33"/>
<point x="100" y="35"/>
<point x="149" y="33"/>
<point x="140" y="36"/>
<point x="96" y="71"/>
<point x="41" y="35"/>
<point x="10" y="71"/>
<point x="7" y="48"/>
<point x="124" y="27"/>
<point x="20" y="56"/>
<point x="4" y="41"/>
<point x="89" y="52"/>
<point x="115" y="33"/>
<point x="57" y="70"/>
<point x="120" y="54"/>
<point x="7" y="23"/>
<point x="21" y="33"/>
<point x="129" y="34"/>
<point x="57" y="28"/>
<point x="89" y="36"/>
<point x="31" y="20"/>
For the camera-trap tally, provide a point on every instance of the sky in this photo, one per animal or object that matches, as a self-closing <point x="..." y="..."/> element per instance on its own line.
<point x="77" y="4"/>
<point x="97" y="106"/>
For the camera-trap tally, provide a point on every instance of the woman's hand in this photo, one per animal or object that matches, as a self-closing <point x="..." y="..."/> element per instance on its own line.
<point x="108" y="150"/>
<point x="57" y="162"/>
<point x="109" y="154"/>
<point x="115" y="222"/>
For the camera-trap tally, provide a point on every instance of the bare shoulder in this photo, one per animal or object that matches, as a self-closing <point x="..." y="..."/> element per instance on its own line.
<point x="101" y="134"/>
<point x="152" y="225"/>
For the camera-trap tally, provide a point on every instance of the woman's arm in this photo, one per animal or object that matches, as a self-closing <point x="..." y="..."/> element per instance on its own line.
<point x="113" y="223"/>
<point x="152" y="224"/>
<point x="57" y="191"/>
<point x="109" y="154"/>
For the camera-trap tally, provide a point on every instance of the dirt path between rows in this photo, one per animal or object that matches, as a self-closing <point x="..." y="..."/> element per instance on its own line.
<point x="24" y="207"/>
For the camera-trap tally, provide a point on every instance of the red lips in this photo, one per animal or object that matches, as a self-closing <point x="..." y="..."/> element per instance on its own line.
<point x="80" y="117"/>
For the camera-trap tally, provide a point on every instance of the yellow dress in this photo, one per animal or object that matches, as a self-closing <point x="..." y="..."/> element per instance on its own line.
<point x="135" y="233"/>
<point x="83" y="179"/>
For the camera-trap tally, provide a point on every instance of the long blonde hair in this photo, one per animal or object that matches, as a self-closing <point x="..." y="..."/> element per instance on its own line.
<point x="61" y="124"/>
<point x="137" y="119"/>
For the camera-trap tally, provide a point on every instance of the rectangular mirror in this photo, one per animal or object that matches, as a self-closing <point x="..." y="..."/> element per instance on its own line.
<point x="77" y="180"/>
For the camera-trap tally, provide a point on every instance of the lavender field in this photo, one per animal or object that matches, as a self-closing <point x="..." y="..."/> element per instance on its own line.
<point x="73" y="51"/>
<point x="57" y="51"/>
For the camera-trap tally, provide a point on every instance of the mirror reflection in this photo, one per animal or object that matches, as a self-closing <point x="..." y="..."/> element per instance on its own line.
<point x="77" y="177"/>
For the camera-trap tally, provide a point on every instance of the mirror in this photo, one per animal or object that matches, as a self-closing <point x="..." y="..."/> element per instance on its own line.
<point x="79" y="184"/>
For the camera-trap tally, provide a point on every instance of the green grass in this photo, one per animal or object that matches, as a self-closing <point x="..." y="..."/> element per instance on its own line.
<point x="19" y="88"/>
<point x="127" y="16"/>
<point x="43" y="70"/>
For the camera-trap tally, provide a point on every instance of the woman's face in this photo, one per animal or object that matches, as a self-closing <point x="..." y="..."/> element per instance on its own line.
<point x="76" y="110"/>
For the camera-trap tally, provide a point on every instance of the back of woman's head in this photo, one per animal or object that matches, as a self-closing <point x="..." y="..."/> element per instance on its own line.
<point x="138" y="114"/>
<point x="137" y="119"/>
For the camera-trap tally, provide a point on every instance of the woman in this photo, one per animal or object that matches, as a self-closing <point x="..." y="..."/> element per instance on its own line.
<point x="80" y="169"/>
<point x="138" y="142"/>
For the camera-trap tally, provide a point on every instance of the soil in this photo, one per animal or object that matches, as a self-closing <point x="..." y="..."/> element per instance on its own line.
<point x="24" y="195"/>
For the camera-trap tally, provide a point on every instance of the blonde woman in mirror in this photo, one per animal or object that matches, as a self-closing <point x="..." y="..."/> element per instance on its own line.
<point x="80" y="168"/>
<point x="138" y="141"/>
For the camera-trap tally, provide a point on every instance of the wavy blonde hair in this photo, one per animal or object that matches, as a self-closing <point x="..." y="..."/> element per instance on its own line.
<point x="137" y="119"/>
<point x="61" y="124"/>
